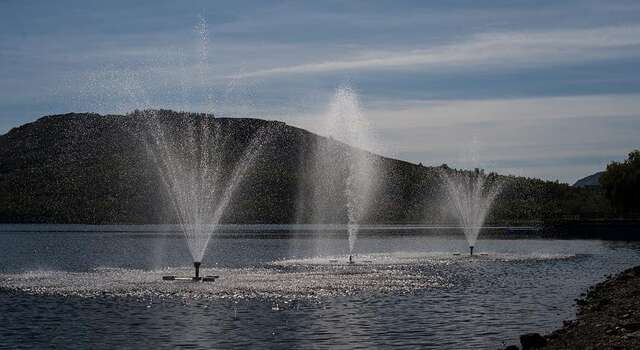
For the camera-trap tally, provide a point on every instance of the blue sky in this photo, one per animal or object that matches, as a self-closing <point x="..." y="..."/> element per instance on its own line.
<point x="546" y="89"/>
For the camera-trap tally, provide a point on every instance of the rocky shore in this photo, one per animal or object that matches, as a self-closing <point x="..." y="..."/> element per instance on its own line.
<point x="608" y="317"/>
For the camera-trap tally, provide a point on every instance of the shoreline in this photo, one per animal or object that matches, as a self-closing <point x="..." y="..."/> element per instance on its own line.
<point x="609" y="230"/>
<point x="607" y="317"/>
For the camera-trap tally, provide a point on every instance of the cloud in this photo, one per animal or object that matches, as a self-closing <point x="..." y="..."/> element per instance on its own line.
<point x="392" y="115"/>
<point x="550" y="137"/>
<point x="502" y="49"/>
<point x="281" y="62"/>
<point x="435" y="113"/>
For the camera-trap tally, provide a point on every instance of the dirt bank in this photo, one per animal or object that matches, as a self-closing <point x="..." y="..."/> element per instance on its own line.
<point x="608" y="317"/>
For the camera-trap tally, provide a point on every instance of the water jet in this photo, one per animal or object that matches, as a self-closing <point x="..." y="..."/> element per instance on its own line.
<point x="470" y="196"/>
<point x="200" y="178"/>
<point x="344" y="173"/>
<point x="200" y="168"/>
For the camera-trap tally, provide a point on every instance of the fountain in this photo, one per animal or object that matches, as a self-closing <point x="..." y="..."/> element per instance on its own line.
<point x="199" y="171"/>
<point x="470" y="196"/>
<point x="344" y="165"/>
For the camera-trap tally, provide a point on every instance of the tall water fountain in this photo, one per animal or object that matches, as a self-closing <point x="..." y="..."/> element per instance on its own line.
<point x="470" y="196"/>
<point x="200" y="167"/>
<point x="345" y="165"/>
<point x="200" y="171"/>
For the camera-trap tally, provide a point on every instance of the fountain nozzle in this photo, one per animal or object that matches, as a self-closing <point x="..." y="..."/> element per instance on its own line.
<point x="196" y="264"/>
<point x="350" y="259"/>
<point x="470" y="250"/>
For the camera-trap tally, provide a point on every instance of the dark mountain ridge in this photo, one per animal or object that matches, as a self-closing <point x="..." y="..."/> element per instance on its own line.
<point x="94" y="169"/>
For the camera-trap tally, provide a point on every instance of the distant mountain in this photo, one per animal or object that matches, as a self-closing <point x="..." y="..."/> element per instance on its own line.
<point x="589" y="181"/>
<point x="93" y="169"/>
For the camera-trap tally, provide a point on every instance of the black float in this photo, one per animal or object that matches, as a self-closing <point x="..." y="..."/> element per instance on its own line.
<point x="196" y="278"/>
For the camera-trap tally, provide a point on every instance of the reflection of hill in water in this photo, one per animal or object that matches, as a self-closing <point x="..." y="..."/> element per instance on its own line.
<point x="86" y="168"/>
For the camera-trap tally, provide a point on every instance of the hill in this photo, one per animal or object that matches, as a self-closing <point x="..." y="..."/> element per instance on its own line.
<point x="592" y="180"/>
<point x="94" y="169"/>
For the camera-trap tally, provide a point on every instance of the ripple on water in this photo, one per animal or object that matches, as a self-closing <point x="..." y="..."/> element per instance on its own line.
<point x="312" y="278"/>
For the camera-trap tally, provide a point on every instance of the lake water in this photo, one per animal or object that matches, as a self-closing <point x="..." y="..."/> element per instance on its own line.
<point x="101" y="287"/>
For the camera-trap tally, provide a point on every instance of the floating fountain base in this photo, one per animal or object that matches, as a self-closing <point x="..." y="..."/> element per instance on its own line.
<point x="351" y="259"/>
<point x="471" y="250"/>
<point x="197" y="264"/>
<point x="193" y="279"/>
<point x="196" y="278"/>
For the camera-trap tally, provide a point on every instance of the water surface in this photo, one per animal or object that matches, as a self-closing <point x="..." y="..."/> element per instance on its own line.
<point x="288" y="286"/>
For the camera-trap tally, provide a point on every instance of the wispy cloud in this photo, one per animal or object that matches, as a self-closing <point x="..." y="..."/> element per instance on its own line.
<point x="494" y="49"/>
<point x="550" y="137"/>
<point x="429" y="114"/>
<point x="435" y="113"/>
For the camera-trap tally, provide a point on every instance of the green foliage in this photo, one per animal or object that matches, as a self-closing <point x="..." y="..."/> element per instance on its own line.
<point x="621" y="183"/>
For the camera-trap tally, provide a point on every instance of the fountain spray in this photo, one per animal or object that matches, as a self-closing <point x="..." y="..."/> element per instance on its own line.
<point x="343" y="161"/>
<point x="191" y="154"/>
<point x="470" y="197"/>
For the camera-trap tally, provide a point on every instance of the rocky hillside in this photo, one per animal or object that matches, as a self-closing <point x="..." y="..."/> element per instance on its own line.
<point x="88" y="168"/>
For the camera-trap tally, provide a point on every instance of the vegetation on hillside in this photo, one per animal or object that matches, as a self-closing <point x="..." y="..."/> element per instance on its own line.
<point x="621" y="184"/>
<point x="87" y="168"/>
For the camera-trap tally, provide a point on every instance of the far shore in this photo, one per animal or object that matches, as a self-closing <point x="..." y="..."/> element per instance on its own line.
<point x="601" y="229"/>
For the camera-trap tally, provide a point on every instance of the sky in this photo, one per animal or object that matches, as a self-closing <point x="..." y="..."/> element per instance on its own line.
<point x="544" y="89"/>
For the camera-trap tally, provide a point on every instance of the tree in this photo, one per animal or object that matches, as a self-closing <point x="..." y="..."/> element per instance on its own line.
<point x="621" y="183"/>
